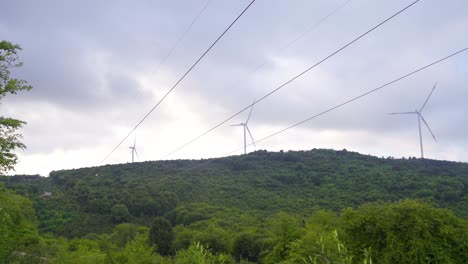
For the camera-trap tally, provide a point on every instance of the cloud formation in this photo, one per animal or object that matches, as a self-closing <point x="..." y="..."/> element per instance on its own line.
<point x="95" y="68"/>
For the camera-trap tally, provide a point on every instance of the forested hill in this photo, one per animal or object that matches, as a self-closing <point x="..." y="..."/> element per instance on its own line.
<point x="301" y="182"/>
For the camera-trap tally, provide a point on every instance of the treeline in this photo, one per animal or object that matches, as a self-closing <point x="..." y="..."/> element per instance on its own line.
<point x="405" y="232"/>
<point x="318" y="206"/>
<point x="93" y="200"/>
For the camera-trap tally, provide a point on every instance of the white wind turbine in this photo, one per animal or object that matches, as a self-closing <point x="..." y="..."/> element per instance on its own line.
<point x="420" y="118"/>
<point x="247" y="130"/>
<point x="133" y="149"/>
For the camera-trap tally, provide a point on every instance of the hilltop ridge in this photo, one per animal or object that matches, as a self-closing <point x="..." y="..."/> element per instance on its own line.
<point x="299" y="182"/>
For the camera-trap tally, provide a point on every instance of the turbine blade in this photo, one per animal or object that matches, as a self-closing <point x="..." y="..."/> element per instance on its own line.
<point x="402" y="113"/>
<point x="430" y="130"/>
<point x="250" y="113"/>
<point x="136" y="153"/>
<point x="251" y="137"/>
<point x="433" y="88"/>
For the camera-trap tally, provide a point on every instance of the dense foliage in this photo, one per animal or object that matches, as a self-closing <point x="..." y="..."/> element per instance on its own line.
<point x="18" y="226"/>
<point x="94" y="199"/>
<point x="9" y="136"/>
<point x="408" y="232"/>
<point x="318" y="206"/>
<point x="161" y="236"/>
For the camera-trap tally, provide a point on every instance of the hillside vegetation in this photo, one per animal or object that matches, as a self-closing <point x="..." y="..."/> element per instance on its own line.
<point x="266" y="207"/>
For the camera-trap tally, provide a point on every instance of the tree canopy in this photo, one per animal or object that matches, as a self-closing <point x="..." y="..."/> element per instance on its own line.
<point x="161" y="236"/>
<point x="308" y="207"/>
<point x="18" y="224"/>
<point x="9" y="136"/>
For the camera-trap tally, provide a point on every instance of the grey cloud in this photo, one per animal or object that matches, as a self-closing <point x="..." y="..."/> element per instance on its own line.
<point x="83" y="58"/>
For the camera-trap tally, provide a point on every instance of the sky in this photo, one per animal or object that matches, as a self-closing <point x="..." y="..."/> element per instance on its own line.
<point x="97" y="67"/>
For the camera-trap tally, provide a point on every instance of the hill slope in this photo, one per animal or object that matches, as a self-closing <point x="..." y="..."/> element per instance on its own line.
<point x="92" y="199"/>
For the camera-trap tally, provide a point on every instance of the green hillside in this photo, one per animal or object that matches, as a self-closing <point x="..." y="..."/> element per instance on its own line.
<point x="318" y="206"/>
<point x="266" y="182"/>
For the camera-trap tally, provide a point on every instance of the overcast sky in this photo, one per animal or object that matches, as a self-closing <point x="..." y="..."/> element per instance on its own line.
<point x="96" y="71"/>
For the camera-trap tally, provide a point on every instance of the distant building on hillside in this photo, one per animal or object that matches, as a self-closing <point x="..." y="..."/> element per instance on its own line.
<point x="46" y="195"/>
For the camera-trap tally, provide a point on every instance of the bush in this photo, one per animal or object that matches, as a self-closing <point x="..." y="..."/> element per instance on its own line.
<point x="161" y="235"/>
<point x="407" y="232"/>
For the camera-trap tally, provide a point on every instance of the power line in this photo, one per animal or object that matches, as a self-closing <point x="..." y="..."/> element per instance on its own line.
<point x="356" y="98"/>
<point x="294" y="78"/>
<point x="302" y="34"/>
<point x="181" y="79"/>
<point x="208" y="161"/>
<point x="96" y="169"/>
<point x="317" y="24"/>
<point x="181" y="37"/>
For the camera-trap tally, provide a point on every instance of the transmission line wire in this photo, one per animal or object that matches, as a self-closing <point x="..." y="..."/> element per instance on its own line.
<point x="179" y="40"/>
<point x="356" y="98"/>
<point x="181" y="37"/>
<point x="208" y="161"/>
<point x="181" y="79"/>
<point x="294" y="78"/>
<point x="331" y="109"/>
<point x="305" y="32"/>
<point x="317" y="24"/>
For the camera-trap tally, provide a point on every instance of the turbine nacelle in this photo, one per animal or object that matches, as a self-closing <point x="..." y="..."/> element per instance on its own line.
<point x="421" y="118"/>
<point x="241" y="124"/>
<point x="247" y="130"/>
<point x="133" y="150"/>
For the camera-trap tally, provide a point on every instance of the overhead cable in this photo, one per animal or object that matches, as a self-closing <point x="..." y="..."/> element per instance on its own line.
<point x="181" y="37"/>
<point x="294" y="78"/>
<point x="356" y="98"/>
<point x="181" y="79"/>
<point x="305" y="32"/>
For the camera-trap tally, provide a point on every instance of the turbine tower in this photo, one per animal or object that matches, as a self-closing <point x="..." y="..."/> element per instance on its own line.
<point x="420" y="118"/>
<point x="247" y="130"/>
<point x="133" y="149"/>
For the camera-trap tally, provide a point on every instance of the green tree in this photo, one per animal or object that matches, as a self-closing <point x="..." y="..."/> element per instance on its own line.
<point x="406" y="232"/>
<point x="320" y="242"/>
<point x="161" y="235"/>
<point x="72" y="251"/>
<point x="120" y="213"/>
<point x="124" y="233"/>
<point x="9" y="137"/>
<point x="215" y="238"/>
<point x="137" y="251"/>
<point x="198" y="254"/>
<point x="18" y="228"/>
<point x="247" y="246"/>
<point x="283" y="229"/>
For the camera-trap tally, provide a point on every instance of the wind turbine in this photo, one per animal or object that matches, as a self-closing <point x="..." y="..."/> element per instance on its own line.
<point x="420" y="118"/>
<point x="134" y="151"/>
<point x="247" y="130"/>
